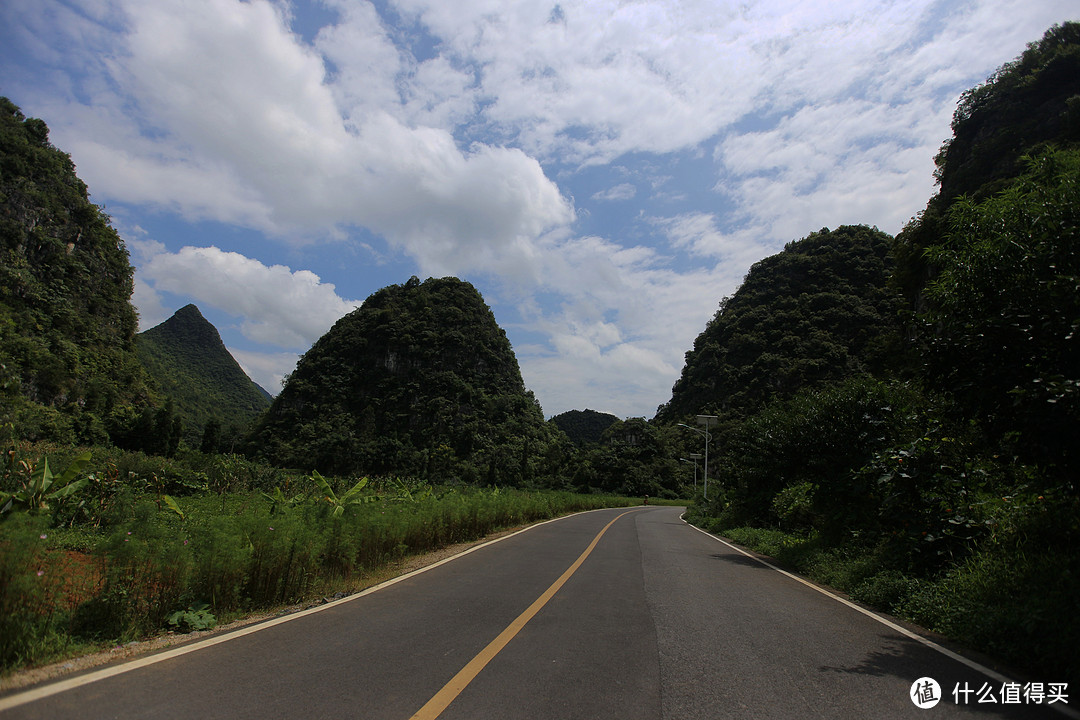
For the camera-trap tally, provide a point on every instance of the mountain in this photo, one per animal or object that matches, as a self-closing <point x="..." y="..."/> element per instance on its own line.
<point x="68" y="367"/>
<point x="816" y="313"/>
<point x="189" y="362"/>
<point x="418" y="380"/>
<point x="1028" y="104"/>
<point x="988" y="270"/>
<point x="584" y="426"/>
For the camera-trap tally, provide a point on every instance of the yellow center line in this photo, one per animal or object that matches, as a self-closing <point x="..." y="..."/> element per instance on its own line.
<point x="459" y="682"/>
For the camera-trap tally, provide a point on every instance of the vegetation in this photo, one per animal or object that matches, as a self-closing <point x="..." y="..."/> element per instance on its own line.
<point x="68" y="369"/>
<point x="818" y="312"/>
<point x="117" y="558"/>
<point x="897" y="417"/>
<point x="584" y="426"/>
<point x="420" y="380"/>
<point x="936" y="479"/>
<point x="213" y="397"/>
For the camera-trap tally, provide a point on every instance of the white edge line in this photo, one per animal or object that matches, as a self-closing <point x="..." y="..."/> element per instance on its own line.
<point x="56" y="688"/>
<point x="992" y="674"/>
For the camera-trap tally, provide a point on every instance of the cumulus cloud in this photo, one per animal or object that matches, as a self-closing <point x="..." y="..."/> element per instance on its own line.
<point x="434" y="125"/>
<point x="279" y="306"/>
<point x="623" y="324"/>
<point x="220" y="112"/>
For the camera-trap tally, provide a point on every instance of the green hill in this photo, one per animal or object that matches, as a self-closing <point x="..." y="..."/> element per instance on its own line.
<point x="818" y="312"/>
<point x="189" y="362"/>
<point x="584" y="426"/>
<point x="68" y="367"/>
<point x="418" y="380"/>
<point x="1030" y="103"/>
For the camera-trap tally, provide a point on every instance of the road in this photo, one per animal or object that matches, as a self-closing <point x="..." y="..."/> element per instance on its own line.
<point x="607" y="614"/>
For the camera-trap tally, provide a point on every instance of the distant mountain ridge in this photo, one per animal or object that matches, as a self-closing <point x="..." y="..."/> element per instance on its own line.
<point x="190" y="364"/>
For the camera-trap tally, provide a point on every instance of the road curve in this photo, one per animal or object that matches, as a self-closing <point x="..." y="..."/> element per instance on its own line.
<point x="606" y="614"/>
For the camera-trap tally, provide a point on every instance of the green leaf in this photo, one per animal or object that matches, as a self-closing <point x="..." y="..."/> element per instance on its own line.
<point x="75" y="467"/>
<point x="354" y="490"/>
<point x="324" y="487"/>
<point x="173" y="506"/>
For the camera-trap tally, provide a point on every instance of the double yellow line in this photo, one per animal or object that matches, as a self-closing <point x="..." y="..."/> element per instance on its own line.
<point x="459" y="682"/>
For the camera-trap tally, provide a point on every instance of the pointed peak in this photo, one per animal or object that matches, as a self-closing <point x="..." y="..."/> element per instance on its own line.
<point x="189" y="310"/>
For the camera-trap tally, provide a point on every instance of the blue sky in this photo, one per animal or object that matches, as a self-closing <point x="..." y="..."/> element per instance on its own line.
<point x="603" y="172"/>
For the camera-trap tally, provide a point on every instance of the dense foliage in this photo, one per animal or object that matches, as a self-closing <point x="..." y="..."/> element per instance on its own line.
<point x="818" y="312"/>
<point x="419" y="380"/>
<point x="1003" y="312"/>
<point x="68" y="368"/>
<point x="584" y="426"/>
<point x="211" y="393"/>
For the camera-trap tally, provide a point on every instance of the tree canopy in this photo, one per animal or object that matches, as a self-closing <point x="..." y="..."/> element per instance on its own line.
<point x="584" y="426"/>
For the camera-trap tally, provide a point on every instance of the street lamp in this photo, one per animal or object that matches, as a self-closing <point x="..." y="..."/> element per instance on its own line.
<point x="694" y="457"/>
<point x="708" y="421"/>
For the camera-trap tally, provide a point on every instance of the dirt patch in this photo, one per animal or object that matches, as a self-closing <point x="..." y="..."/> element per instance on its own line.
<point x="33" y="676"/>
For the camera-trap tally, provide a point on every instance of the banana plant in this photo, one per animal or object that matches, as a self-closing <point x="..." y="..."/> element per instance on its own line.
<point x="407" y="495"/>
<point x="43" y="487"/>
<point x="278" y="500"/>
<point x="350" y="497"/>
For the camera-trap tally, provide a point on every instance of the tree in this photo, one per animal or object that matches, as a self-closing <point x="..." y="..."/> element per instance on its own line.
<point x="1004" y="310"/>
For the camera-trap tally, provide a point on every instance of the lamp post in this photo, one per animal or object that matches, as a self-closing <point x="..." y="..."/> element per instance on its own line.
<point x="694" y="457"/>
<point x="708" y="421"/>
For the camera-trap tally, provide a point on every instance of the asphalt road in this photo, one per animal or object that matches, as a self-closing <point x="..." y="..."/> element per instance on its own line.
<point x="607" y="614"/>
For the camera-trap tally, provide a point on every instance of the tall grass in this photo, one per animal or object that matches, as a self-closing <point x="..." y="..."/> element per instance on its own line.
<point x="234" y="552"/>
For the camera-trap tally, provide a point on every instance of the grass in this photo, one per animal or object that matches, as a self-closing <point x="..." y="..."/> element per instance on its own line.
<point x="63" y="591"/>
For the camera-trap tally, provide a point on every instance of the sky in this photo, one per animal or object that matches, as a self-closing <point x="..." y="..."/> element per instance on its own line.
<point x="603" y="172"/>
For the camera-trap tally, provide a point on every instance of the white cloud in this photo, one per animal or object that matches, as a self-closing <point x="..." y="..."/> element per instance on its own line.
<point x="282" y="307"/>
<point x="619" y="334"/>
<point x="699" y="234"/>
<point x="622" y="191"/>
<point x="431" y="132"/>
<point x="266" y="369"/>
<point x="219" y="112"/>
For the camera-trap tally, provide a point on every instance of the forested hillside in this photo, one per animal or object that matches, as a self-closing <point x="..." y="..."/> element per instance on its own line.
<point x="818" y="312"/>
<point x="210" y="391"/>
<point x="419" y="380"/>
<point x="1029" y="103"/>
<point x="584" y="426"/>
<point x="68" y="368"/>
<point x="989" y="268"/>
<point x="925" y="460"/>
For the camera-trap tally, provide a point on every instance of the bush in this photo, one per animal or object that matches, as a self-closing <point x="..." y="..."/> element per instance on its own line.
<point x="31" y="626"/>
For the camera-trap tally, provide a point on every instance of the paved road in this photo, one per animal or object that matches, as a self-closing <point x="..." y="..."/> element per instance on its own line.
<point x="650" y="619"/>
